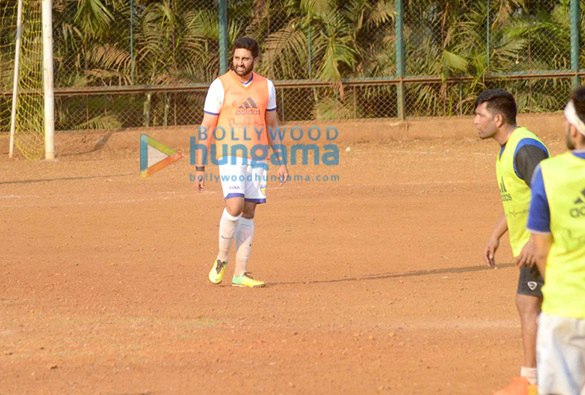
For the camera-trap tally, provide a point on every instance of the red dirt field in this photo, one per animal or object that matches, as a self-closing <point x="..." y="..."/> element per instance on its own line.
<point x="375" y="282"/>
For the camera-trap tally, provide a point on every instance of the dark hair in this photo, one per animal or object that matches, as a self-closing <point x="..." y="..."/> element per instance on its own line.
<point x="249" y="44"/>
<point x="578" y="97"/>
<point x="501" y="102"/>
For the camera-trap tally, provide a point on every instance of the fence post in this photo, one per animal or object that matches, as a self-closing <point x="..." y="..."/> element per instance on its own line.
<point x="310" y="55"/>
<point x="575" y="41"/>
<point x="282" y="105"/>
<point x="223" y="36"/>
<point x="132" y="42"/>
<point x="399" y="22"/>
<point x="487" y="35"/>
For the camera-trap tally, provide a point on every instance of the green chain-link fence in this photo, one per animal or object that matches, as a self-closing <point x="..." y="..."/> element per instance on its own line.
<point x="136" y="63"/>
<point x="524" y="42"/>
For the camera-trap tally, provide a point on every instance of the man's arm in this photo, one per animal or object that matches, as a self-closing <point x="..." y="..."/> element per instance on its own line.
<point x="489" y="252"/>
<point x="527" y="256"/>
<point x="211" y="110"/>
<point x="526" y="161"/>
<point x="274" y="141"/>
<point x="542" y="243"/>
<point x="539" y="221"/>
<point x="207" y="126"/>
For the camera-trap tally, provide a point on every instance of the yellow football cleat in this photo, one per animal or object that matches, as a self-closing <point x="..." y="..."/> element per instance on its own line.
<point x="217" y="271"/>
<point x="518" y="386"/>
<point x="245" y="280"/>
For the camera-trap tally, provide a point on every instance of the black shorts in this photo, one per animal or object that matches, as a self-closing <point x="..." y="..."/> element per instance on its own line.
<point x="530" y="281"/>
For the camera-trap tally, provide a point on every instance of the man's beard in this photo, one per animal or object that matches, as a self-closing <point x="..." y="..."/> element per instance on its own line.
<point x="245" y="71"/>
<point x="570" y="144"/>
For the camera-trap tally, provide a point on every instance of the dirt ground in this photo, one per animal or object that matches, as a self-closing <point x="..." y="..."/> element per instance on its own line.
<point x="375" y="282"/>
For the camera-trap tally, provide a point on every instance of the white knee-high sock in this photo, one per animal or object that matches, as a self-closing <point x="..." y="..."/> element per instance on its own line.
<point x="244" y="237"/>
<point x="227" y="228"/>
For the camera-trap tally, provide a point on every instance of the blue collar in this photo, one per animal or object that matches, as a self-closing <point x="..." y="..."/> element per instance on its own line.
<point x="250" y="80"/>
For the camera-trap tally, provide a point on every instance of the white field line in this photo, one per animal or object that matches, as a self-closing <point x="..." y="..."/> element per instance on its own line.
<point x="170" y="195"/>
<point x="463" y="324"/>
<point x="104" y="202"/>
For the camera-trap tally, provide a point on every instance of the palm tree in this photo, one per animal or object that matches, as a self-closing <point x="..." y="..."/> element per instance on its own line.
<point x="176" y="42"/>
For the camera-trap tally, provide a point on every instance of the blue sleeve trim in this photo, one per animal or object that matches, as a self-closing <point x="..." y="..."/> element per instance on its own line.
<point x="271" y="109"/>
<point x="209" y="112"/>
<point x="257" y="201"/>
<point x="233" y="195"/>
<point x="523" y="143"/>
<point x="502" y="148"/>
<point x="539" y="212"/>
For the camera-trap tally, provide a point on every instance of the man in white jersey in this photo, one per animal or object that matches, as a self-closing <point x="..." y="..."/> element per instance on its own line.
<point x="240" y="115"/>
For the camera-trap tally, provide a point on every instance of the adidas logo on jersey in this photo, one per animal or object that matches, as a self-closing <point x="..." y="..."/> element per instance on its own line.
<point x="503" y="186"/>
<point x="248" y="107"/>
<point x="580" y="198"/>
<point x="579" y="211"/>
<point x="506" y="197"/>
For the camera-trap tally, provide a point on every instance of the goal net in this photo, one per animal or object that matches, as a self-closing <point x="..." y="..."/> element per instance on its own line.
<point x="29" y="136"/>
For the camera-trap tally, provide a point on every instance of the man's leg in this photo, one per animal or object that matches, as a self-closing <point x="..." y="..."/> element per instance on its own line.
<point x="227" y="228"/>
<point x="529" y="309"/>
<point x="255" y="194"/>
<point x="244" y="237"/>
<point x="528" y="302"/>
<point x="232" y="185"/>
<point x="228" y="225"/>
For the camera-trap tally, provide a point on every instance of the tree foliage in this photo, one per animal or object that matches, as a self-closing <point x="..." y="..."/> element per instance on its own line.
<point x="173" y="42"/>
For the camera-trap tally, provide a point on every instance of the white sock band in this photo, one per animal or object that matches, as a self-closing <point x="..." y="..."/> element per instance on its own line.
<point x="529" y="374"/>
<point x="244" y="237"/>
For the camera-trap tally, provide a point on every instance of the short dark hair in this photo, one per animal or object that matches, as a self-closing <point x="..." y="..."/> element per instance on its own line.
<point x="249" y="44"/>
<point x="499" y="101"/>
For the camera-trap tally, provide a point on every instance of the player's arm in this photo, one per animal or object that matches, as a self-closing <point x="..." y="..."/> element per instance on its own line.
<point x="539" y="221"/>
<point x="205" y="138"/>
<point x="526" y="162"/>
<point x="489" y="252"/>
<point x="211" y="110"/>
<point x="527" y="256"/>
<point x="276" y="145"/>
<point x="542" y="243"/>
<point x="206" y="134"/>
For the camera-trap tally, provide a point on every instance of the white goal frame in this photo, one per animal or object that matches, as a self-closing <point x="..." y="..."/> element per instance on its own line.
<point x="48" y="85"/>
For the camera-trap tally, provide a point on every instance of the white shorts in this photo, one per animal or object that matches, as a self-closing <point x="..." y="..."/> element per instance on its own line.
<point x="241" y="179"/>
<point x="560" y="348"/>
